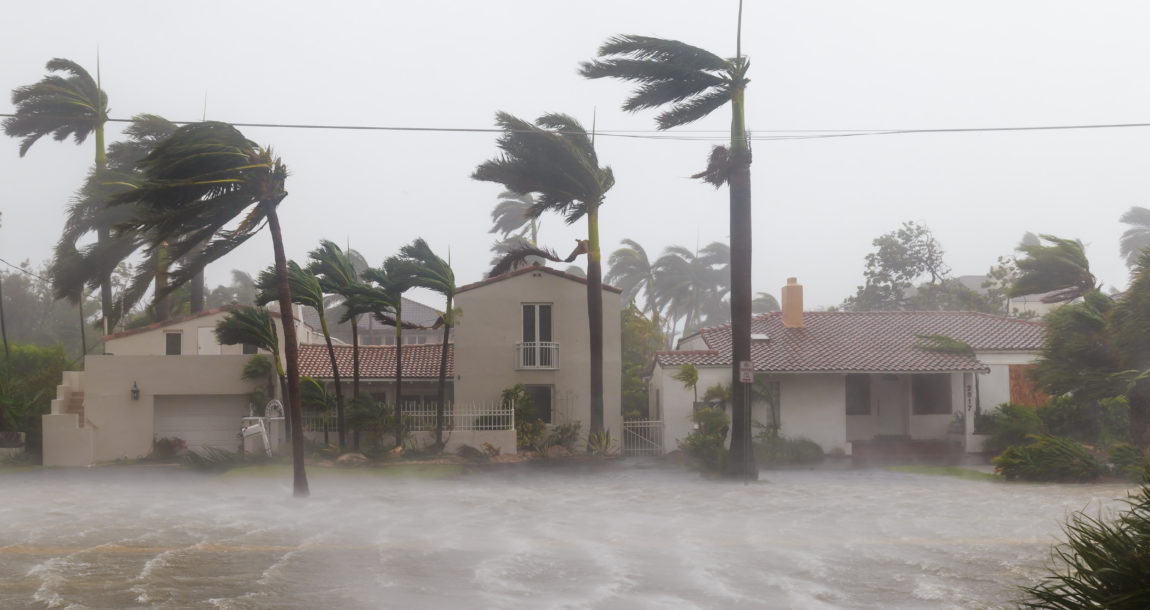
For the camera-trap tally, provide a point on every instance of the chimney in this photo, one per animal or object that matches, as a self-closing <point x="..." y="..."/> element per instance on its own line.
<point x="793" y="304"/>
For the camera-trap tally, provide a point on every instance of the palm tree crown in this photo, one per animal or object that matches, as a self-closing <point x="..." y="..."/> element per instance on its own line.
<point x="1060" y="269"/>
<point x="1137" y="237"/>
<point x="63" y="106"/>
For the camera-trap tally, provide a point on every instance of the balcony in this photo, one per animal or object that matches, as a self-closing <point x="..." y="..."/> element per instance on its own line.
<point x="537" y="355"/>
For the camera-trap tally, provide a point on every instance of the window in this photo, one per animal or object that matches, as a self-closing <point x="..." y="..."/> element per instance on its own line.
<point x="250" y="349"/>
<point x="538" y="349"/>
<point x="858" y="394"/>
<point x="541" y="396"/>
<point x="173" y="343"/>
<point x="773" y="414"/>
<point x="931" y="394"/>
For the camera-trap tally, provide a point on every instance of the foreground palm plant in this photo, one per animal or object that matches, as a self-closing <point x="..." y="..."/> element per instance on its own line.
<point x="694" y="82"/>
<point x="555" y="159"/>
<point x="196" y="184"/>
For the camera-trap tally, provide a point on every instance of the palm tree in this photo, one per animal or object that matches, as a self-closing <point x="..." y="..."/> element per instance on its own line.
<point x="630" y="270"/>
<point x="687" y="283"/>
<point x="556" y="159"/>
<point x="764" y="302"/>
<point x="694" y="82"/>
<point x="306" y="291"/>
<point x="64" y="106"/>
<point x="428" y="270"/>
<point x="510" y="216"/>
<point x="197" y="182"/>
<point x="1137" y="237"/>
<point x="688" y="375"/>
<point x="338" y="274"/>
<point x="1060" y="269"/>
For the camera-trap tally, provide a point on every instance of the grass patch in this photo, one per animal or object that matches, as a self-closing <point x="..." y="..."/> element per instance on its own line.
<point x="949" y="471"/>
<point x="13" y="469"/>
<point x="400" y="471"/>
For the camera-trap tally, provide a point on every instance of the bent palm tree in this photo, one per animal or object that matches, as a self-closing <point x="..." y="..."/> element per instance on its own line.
<point x="692" y="83"/>
<point x="64" y="106"/>
<point x="1137" y="237"/>
<point x="427" y="270"/>
<point x="510" y="216"/>
<point x="306" y="290"/>
<point x="556" y="159"/>
<point x="1060" y="269"/>
<point x="197" y="183"/>
<point x="338" y="274"/>
<point x="630" y="270"/>
<point x="252" y="326"/>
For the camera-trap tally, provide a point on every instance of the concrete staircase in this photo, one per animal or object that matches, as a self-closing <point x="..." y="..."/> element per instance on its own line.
<point x="75" y="405"/>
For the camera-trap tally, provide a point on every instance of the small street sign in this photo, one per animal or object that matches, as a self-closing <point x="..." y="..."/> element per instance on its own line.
<point x="746" y="372"/>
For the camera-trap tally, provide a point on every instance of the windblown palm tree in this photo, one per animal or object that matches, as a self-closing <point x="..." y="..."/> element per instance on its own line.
<point x="338" y="274"/>
<point x="63" y="106"/>
<point x="197" y="183"/>
<point x="428" y="270"/>
<point x="692" y="83"/>
<point x="252" y="326"/>
<point x="688" y="284"/>
<point x="306" y="291"/>
<point x="1060" y="269"/>
<point x="510" y="216"/>
<point x="631" y="271"/>
<point x="764" y="302"/>
<point x="1137" y="237"/>
<point x="555" y="160"/>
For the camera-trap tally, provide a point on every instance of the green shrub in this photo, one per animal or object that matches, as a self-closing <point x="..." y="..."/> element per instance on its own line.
<point x="601" y="443"/>
<point x="1102" y="564"/>
<point x="1102" y="422"/>
<point x="1010" y="425"/>
<point x="1113" y="421"/>
<point x="529" y="429"/>
<point x="772" y="450"/>
<point x="565" y="435"/>
<point x="1048" y="458"/>
<point x="706" y="444"/>
<point x="1128" y="461"/>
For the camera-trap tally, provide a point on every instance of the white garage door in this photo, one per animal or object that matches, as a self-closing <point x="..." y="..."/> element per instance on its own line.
<point x="201" y="420"/>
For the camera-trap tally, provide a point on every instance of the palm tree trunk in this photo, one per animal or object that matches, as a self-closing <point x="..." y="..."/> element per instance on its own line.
<point x="103" y="233"/>
<point x="595" y="317"/>
<point x="3" y="326"/>
<point x="441" y="393"/>
<point x="741" y="460"/>
<point x="197" y="292"/>
<point x="355" y="357"/>
<point x="291" y="354"/>
<point x="334" y="374"/>
<point x="398" y="376"/>
<point x="162" y="305"/>
<point x="83" y="330"/>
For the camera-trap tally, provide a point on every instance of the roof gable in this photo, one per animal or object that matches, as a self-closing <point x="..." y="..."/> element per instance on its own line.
<point x="529" y="269"/>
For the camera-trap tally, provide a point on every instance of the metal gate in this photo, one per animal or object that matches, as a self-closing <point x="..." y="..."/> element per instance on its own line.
<point x="642" y="437"/>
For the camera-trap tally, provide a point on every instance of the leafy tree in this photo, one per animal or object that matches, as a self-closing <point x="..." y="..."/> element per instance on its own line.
<point x="688" y="375"/>
<point x="197" y="182"/>
<point x="692" y="83"/>
<point x="28" y="378"/>
<point x="34" y="317"/>
<point x="64" y="106"/>
<point x="426" y="270"/>
<point x="900" y="258"/>
<point x="306" y="291"/>
<point x="1137" y="237"/>
<point x="641" y="338"/>
<point x="555" y="159"/>
<point x="242" y="290"/>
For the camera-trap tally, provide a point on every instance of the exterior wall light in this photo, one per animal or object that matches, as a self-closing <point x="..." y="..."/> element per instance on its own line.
<point x="135" y="391"/>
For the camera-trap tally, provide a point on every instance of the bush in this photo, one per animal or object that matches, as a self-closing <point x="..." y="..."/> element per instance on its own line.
<point x="1097" y="422"/>
<point x="1048" y="458"/>
<point x="1101" y="565"/>
<point x="1128" y="461"/>
<point x="706" y="445"/>
<point x="1010" y="425"/>
<point x="529" y="429"/>
<point x="168" y="447"/>
<point x="564" y="435"/>
<point x="772" y="450"/>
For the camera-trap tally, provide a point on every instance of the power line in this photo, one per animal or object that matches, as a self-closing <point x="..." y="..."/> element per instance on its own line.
<point x="706" y="135"/>
<point x="23" y="270"/>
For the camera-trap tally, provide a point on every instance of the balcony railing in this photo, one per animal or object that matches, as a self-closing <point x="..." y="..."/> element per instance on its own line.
<point x="537" y="355"/>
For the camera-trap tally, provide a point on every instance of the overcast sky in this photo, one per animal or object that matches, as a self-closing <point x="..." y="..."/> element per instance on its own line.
<point x="818" y="203"/>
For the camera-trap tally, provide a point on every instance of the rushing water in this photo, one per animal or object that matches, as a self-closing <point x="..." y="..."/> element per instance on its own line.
<point x="159" y="538"/>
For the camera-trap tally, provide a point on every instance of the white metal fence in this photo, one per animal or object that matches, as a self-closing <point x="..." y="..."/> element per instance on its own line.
<point x="537" y="355"/>
<point x="642" y="437"/>
<point x="491" y="415"/>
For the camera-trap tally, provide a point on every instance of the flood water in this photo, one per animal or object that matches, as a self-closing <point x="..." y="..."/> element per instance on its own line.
<point x="633" y="538"/>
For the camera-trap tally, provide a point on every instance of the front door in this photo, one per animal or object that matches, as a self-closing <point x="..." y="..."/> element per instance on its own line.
<point x="890" y="405"/>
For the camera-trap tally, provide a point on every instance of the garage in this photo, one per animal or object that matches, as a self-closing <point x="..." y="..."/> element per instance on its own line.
<point x="201" y="421"/>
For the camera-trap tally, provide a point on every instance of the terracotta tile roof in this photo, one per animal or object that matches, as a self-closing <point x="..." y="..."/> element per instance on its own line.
<point x="170" y="321"/>
<point x="865" y="342"/>
<point x="376" y="361"/>
<point x="413" y="312"/>
<point x="529" y="269"/>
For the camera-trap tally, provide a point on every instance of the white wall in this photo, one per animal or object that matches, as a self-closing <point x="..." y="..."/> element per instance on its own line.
<point x="678" y="401"/>
<point x="994" y="387"/>
<point x="813" y="406"/>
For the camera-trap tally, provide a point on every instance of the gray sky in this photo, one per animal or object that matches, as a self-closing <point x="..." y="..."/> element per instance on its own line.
<point x="818" y="203"/>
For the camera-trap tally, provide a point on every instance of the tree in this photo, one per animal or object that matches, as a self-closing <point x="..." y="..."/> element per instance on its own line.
<point x="426" y="270"/>
<point x="641" y="338"/>
<point x="510" y="216"/>
<point x="900" y="258"/>
<point x="1059" y="270"/>
<point x="197" y="182"/>
<point x="64" y="106"/>
<point x="764" y="302"/>
<point x="1137" y="237"/>
<point x="691" y="285"/>
<point x="306" y="291"/>
<point x="338" y="274"/>
<point x="688" y="375"/>
<point x="555" y="159"/>
<point x="253" y="326"/>
<point x="692" y="83"/>
<point x="631" y="271"/>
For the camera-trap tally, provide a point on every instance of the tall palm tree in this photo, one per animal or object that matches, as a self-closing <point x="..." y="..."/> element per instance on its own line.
<point x="510" y="216"/>
<point x="427" y="270"/>
<point x="694" y="82"/>
<point x="252" y="326"/>
<point x="338" y="274"/>
<point x="1137" y="237"/>
<point x="306" y="291"/>
<point x="197" y="183"/>
<point x="1059" y="270"/>
<point x="688" y="283"/>
<point x="555" y="159"/>
<point x="70" y="104"/>
<point x="630" y="270"/>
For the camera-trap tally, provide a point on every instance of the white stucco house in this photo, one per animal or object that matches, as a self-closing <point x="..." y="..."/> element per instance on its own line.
<point x="844" y="379"/>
